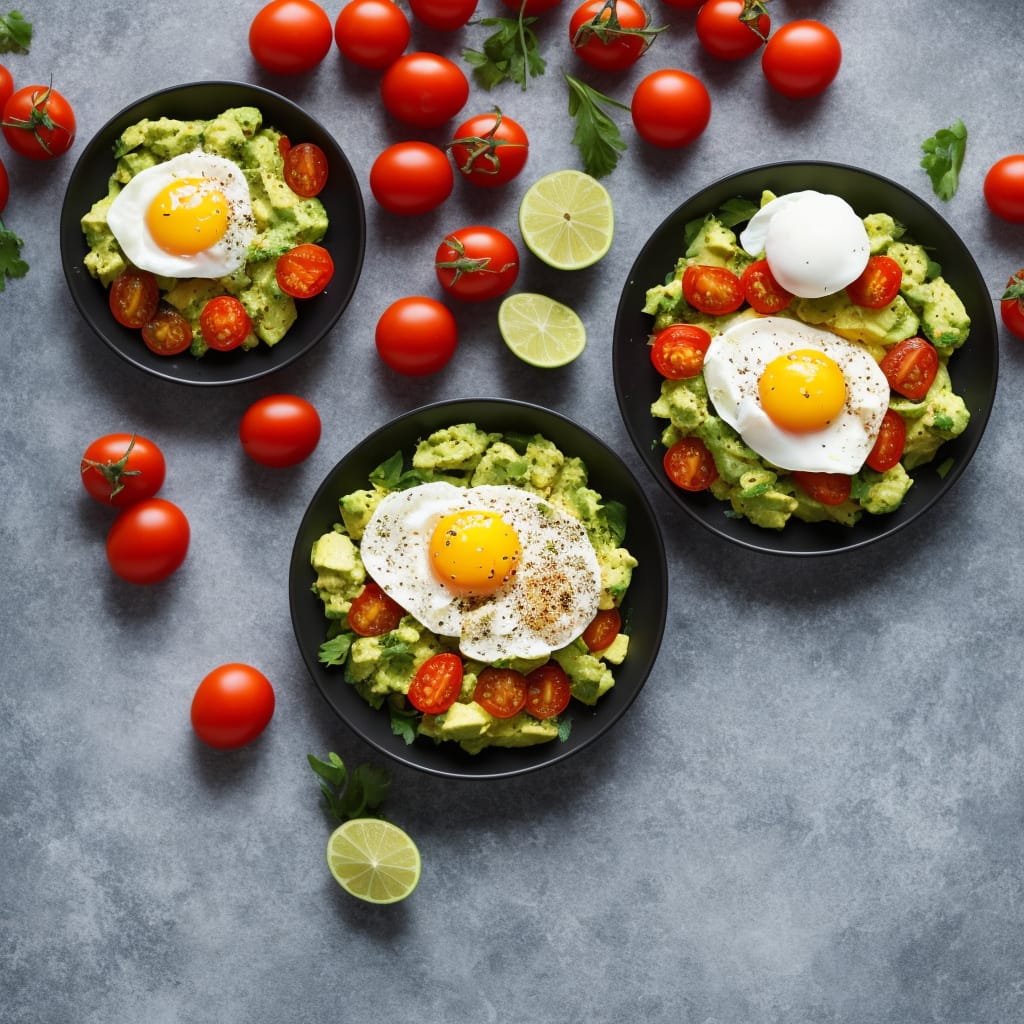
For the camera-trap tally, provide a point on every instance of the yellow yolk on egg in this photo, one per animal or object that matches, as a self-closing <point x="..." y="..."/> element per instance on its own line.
<point x="474" y="552"/>
<point x="188" y="216"/>
<point x="802" y="391"/>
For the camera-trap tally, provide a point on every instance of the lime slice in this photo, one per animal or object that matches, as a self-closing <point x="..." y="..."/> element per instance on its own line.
<point x="566" y="220"/>
<point x="373" y="860"/>
<point x="539" y="330"/>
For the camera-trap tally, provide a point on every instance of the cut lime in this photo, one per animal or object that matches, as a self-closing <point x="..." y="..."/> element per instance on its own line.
<point x="566" y="219"/>
<point x="373" y="860"/>
<point x="541" y="331"/>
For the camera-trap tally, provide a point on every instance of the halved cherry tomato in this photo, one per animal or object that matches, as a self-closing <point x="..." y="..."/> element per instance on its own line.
<point x="828" y="488"/>
<point x="714" y="290"/>
<point x="224" y="323"/>
<point x="168" y="333"/>
<point x="501" y="691"/>
<point x="878" y="285"/>
<point x="436" y="684"/>
<point x="304" y="271"/>
<point x="690" y="465"/>
<point x="374" y="612"/>
<point x="134" y="297"/>
<point x="763" y="293"/>
<point x="604" y="627"/>
<point x="910" y="367"/>
<point x="305" y="169"/>
<point x="547" y="691"/>
<point x="678" y="351"/>
<point x="888" y="449"/>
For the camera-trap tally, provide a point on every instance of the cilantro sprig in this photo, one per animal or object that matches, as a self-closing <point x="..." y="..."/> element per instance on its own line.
<point x="943" y="158"/>
<point x="350" y="794"/>
<point x="597" y="136"/>
<point x="15" y="33"/>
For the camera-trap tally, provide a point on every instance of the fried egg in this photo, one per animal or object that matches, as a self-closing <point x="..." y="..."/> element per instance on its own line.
<point x="188" y="217"/>
<point x="801" y="397"/>
<point x="499" y="568"/>
<point x="815" y="243"/>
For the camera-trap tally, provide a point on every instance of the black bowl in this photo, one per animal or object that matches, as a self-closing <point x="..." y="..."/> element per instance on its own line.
<point x="973" y="368"/>
<point x="345" y="238"/>
<point x="644" y="608"/>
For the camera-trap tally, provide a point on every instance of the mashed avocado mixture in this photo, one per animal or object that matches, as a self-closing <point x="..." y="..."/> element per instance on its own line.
<point x="282" y="218"/>
<point x="926" y="305"/>
<point x="382" y="667"/>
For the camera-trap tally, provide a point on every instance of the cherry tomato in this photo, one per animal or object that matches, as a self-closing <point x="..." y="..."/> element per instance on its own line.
<point x="712" y="290"/>
<point x="232" y="706"/>
<point x="436" y="684"/>
<point x="604" y="627"/>
<point x="531" y="8"/>
<point x="801" y="59"/>
<point x="424" y="89"/>
<point x="732" y="29"/>
<point x="760" y="289"/>
<point x="121" y="469"/>
<point x="372" y="33"/>
<point x="168" y="333"/>
<point x="501" y="691"/>
<point x="411" y="178"/>
<point x="279" y="430"/>
<point x="224" y="323"/>
<point x="373" y="612"/>
<point x="888" y="447"/>
<point x="38" y="122"/>
<point x="477" y="263"/>
<point x="878" y="285"/>
<point x="444" y="15"/>
<point x="5" y="186"/>
<point x="678" y="351"/>
<point x="1004" y="188"/>
<point x="610" y="35"/>
<point x="1011" y="304"/>
<point x="304" y="271"/>
<point x="670" y="108"/>
<point x="490" y="149"/>
<point x="6" y="86"/>
<point x="289" y="37"/>
<point x="148" y="541"/>
<point x="826" y="488"/>
<point x="547" y="691"/>
<point x="689" y="464"/>
<point x="134" y="297"/>
<point x="305" y="169"/>
<point x="416" y="335"/>
<point x="910" y="367"/>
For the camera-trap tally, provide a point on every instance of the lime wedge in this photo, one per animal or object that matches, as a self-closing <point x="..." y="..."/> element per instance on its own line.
<point x="541" y="331"/>
<point x="373" y="860"/>
<point x="566" y="220"/>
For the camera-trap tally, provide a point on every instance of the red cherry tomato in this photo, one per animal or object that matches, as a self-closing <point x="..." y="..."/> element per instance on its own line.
<point x="801" y="59"/>
<point x="416" y="335"/>
<point x="443" y="15"/>
<point x="224" y="323"/>
<point x="410" y="178"/>
<point x="38" y="122"/>
<point x="548" y="691"/>
<point x="689" y="465"/>
<point x="826" y="488"/>
<point x="121" y="469"/>
<point x="670" y="108"/>
<point x="232" y="706"/>
<point x="714" y="290"/>
<point x="477" y="263"/>
<point x="910" y="367"/>
<point x="888" y="447"/>
<point x="424" y="89"/>
<point x="148" y="541"/>
<point x="760" y="289"/>
<point x="134" y="297"/>
<point x="279" y="430"/>
<point x="304" y="271"/>
<point x="501" y="691"/>
<point x="490" y="149"/>
<point x="305" y="169"/>
<point x="436" y="684"/>
<point x="1011" y="305"/>
<point x="678" y="351"/>
<point x="607" y="38"/>
<point x="289" y="37"/>
<point x="732" y="29"/>
<point x="374" y="612"/>
<point x="878" y="284"/>
<point x="1004" y="188"/>
<point x="6" y="86"/>
<point x="372" y="33"/>
<point x="531" y="8"/>
<point x="604" y="627"/>
<point x="168" y="333"/>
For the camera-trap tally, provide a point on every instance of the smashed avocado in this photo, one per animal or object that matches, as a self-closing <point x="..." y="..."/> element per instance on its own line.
<point x="282" y="218"/>
<point x="382" y="667"/>
<point x="926" y="306"/>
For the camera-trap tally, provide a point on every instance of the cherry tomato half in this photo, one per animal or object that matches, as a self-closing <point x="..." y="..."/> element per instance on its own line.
<point x="604" y="627"/>
<point x="1011" y="305"/>
<point x="224" y="323"/>
<point x="305" y="169"/>
<point x="232" y="706"/>
<point x="888" y="447"/>
<point x="477" y="263"/>
<point x="373" y="612"/>
<point x="304" y="271"/>
<point x="410" y="178"/>
<point x="760" y="289"/>
<point x="670" y="108"/>
<point x="732" y="29"/>
<point x="416" y="335"/>
<point x="436" y="684"/>
<point x="148" y="541"/>
<point x="501" y="691"/>
<point x="121" y="469"/>
<point x="548" y="691"/>
<point x="168" y="333"/>
<point x="801" y="59"/>
<point x="910" y="367"/>
<point x="610" y="37"/>
<point x="279" y="430"/>
<point x="443" y="15"/>
<point x="38" y="122"/>
<point x="372" y="33"/>
<point x="826" y="488"/>
<point x="489" y="149"/>
<point x="878" y="284"/>
<point x="424" y="89"/>
<point x="678" y="351"/>
<point x="689" y="464"/>
<point x="134" y="297"/>
<point x="714" y="290"/>
<point x="289" y="37"/>
<point x="1004" y="188"/>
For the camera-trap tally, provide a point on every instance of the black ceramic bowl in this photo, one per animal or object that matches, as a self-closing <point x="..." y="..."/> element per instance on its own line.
<point x="973" y="368"/>
<point x="345" y="238"/>
<point x="643" y="610"/>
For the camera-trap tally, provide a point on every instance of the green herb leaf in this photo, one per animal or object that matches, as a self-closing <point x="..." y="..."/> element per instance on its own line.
<point x="404" y="722"/>
<point x="614" y="515"/>
<point x="597" y="136"/>
<point x="510" y="54"/>
<point x="355" y="794"/>
<point x="11" y="263"/>
<point x="944" y="156"/>
<point x="335" y="651"/>
<point x="391" y="475"/>
<point x="332" y="770"/>
<point x="15" y="33"/>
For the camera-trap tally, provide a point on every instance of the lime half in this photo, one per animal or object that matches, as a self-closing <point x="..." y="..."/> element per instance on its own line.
<point x="566" y="220"/>
<point x="541" y="331"/>
<point x="373" y="860"/>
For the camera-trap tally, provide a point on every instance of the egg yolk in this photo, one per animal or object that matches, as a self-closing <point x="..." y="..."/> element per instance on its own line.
<point x="188" y="216"/>
<point x="474" y="552"/>
<point x="802" y="391"/>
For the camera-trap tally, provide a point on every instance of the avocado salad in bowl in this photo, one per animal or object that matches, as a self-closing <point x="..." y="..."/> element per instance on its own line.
<point x="805" y="357"/>
<point x="212" y="233"/>
<point x="479" y="588"/>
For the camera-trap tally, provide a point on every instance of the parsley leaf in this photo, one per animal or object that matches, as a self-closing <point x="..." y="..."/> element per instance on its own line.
<point x="355" y="794"/>
<point x="11" y="263"/>
<point x="404" y="722"/>
<point x="944" y="156"/>
<point x="510" y="54"/>
<point x="597" y="136"/>
<point x="15" y="33"/>
<point x="335" y="650"/>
